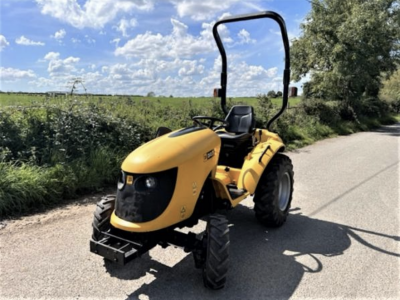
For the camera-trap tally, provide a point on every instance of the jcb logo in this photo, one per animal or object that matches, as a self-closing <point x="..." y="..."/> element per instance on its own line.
<point x="209" y="154"/>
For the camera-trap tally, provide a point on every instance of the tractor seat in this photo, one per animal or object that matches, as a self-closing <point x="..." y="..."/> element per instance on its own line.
<point x="241" y="122"/>
<point x="237" y="141"/>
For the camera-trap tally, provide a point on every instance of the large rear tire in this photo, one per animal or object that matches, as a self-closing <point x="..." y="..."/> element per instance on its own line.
<point x="102" y="215"/>
<point x="217" y="252"/>
<point x="273" y="195"/>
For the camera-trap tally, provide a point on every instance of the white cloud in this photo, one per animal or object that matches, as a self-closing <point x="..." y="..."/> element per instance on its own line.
<point x="179" y="29"/>
<point x="243" y="79"/>
<point x="60" y="67"/>
<point x="59" y="35"/>
<point x="71" y="60"/>
<point x="250" y="72"/>
<point x="116" y="41"/>
<point x="10" y="74"/>
<point x="179" y="77"/>
<point x="3" y="42"/>
<point x="222" y="30"/>
<point x="190" y="68"/>
<point x="27" y="42"/>
<point x="179" y="44"/>
<point x="201" y="10"/>
<point x="75" y="41"/>
<point x="244" y="37"/>
<point x="124" y="25"/>
<point x="96" y="13"/>
<point x="224" y="16"/>
<point x="52" y="56"/>
<point x="93" y="13"/>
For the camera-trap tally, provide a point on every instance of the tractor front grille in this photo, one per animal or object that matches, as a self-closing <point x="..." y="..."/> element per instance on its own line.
<point x="144" y="197"/>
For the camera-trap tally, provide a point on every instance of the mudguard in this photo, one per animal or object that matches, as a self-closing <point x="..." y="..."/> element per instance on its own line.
<point x="257" y="160"/>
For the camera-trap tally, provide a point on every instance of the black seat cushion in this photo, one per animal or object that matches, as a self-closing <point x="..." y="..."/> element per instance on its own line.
<point x="237" y="141"/>
<point x="240" y="119"/>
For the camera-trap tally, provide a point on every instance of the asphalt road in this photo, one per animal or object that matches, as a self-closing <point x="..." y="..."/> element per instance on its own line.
<point x="341" y="240"/>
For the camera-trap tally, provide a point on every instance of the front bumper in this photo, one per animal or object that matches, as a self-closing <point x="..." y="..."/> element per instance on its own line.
<point x="120" y="249"/>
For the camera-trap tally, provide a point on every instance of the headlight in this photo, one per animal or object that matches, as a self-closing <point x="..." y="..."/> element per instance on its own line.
<point x="121" y="181"/>
<point x="145" y="183"/>
<point x="150" y="182"/>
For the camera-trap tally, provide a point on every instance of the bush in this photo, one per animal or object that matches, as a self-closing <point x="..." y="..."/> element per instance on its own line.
<point x="348" y="113"/>
<point x="265" y="112"/>
<point x="372" y="107"/>
<point x="326" y="112"/>
<point x="10" y="141"/>
<point x="48" y="154"/>
<point x="395" y="106"/>
<point x="48" y="135"/>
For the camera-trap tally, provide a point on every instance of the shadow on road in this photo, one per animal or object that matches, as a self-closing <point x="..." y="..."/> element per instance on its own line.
<point x="393" y="130"/>
<point x="263" y="262"/>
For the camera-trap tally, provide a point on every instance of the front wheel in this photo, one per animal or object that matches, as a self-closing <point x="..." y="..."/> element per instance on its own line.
<point x="274" y="192"/>
<point x="217" y="254"/>
<point x="102" y="216"/>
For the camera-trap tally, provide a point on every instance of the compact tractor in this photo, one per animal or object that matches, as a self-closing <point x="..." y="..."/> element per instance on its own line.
<point x="198" y="172"/>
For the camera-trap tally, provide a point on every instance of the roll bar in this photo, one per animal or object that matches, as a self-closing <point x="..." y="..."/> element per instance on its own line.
<point x="224" y="74"/>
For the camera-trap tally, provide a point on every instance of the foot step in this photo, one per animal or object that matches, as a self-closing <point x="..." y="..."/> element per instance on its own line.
<point x="235" y="192"/>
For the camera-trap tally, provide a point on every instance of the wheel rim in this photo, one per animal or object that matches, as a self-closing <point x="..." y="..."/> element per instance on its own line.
<point x="284" y="191"/>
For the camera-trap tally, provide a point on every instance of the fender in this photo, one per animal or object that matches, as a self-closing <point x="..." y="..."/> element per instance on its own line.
<point x="256" y="162"/>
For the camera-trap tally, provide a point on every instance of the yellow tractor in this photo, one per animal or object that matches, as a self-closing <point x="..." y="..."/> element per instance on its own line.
<point x="198" y="172"/>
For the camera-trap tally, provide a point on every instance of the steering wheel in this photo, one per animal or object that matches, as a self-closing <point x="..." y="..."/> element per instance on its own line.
<point x="211" y="122"/>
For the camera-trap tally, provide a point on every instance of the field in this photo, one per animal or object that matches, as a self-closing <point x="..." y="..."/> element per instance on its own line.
<point x="55" y="148"/>
<point x="152" y="111"/>
<point x="27" y="100"/>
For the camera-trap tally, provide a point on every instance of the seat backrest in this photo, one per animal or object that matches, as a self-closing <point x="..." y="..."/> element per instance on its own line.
<point x="241" y="119"/>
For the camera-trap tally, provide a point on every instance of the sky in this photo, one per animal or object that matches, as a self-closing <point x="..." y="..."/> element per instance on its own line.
<point x="139" y="46"/>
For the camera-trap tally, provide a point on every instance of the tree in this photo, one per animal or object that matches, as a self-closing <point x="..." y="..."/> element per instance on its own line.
<point x="346" y="47"/>
<point x="150" y="94"/>
<point x="271" y="94"/>
<point x="391" y="91"/>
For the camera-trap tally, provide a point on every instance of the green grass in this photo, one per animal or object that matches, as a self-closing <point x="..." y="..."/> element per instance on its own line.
<point x="27" y="188"/>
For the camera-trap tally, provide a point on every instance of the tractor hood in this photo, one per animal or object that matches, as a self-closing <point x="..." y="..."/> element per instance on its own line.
<point x="171" y="150"/>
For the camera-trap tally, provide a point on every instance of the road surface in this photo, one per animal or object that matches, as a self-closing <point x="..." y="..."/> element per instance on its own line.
<point x="341" y="240"/>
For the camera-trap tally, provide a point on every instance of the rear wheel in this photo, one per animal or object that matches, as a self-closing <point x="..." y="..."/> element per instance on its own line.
<point x="274" y="192"/>
<point x="102" y="215"/>
<point x="217" y="254"/>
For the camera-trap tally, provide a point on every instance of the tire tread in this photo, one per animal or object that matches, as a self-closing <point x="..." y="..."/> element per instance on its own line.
<point x="265" y="200"/>
<point x="216" y="265"/>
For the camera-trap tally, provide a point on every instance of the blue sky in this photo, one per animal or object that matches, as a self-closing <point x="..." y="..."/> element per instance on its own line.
<point x="138" y="46"/>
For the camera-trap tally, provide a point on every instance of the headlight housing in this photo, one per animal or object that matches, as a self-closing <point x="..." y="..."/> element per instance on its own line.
<point x="143" y="197"/>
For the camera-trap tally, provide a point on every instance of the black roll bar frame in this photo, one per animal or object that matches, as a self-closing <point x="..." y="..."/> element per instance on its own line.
<point x="224" y="74"/>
